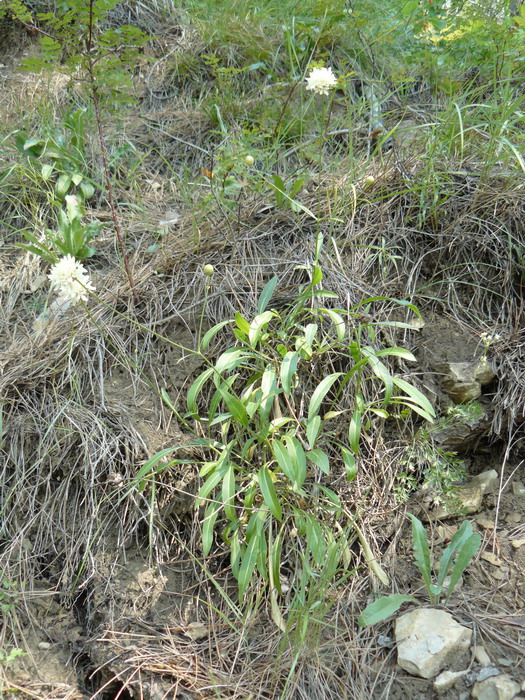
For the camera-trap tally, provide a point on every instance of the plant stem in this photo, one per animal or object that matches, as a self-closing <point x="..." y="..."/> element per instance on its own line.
<point x="103" y="147"/>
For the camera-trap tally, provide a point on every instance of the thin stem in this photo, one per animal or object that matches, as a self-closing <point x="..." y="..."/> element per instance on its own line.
<point x="103" y="147"/>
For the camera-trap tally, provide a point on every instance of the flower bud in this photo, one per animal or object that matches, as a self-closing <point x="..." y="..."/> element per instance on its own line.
<point x="369" y="181"/>
<point x="207" y="270"/>
<point x="249" y="160"/>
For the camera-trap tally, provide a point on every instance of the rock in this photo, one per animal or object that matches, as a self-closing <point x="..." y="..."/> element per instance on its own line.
<point x="462" y="381"/>
<point x="517" y="543"/>
<point x="491" y="558"/>
<point x="488" y="481"/>
<point x="427" y="640"/>
<point x="514" y="518"/>
<point x="196" y="630"/>
<point x="500" y="687"/>
<point x="518" y="488"/>
<point x="447" y="679"/>
<point x="481" y="655"/>
<point x="468" y="499"/>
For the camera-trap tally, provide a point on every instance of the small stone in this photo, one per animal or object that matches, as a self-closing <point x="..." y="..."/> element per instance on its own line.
<point x="500" y="687"/>
<point x="505" y="662"/>
<point x="518" y="489"/>
<point x="485" y="523"/>
<point x="514" y="518"/>
<point x="446" y="583"/>
<point x="469" y="498"/>
<point x="427" y="640"/>
<point x="488" y="480"/>
<point x="491" y="558"/>
<point x="196" y="630"/>
<point x="447" y="679"/>
<point x="498" y="574"/>
<point x="44" y="646"/>
<point x="462" y="381"/>
<point x="523" y="685"/>
<point x="481" y="655"/>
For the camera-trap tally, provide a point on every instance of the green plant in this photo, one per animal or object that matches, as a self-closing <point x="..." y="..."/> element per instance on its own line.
<point x="60" y="157"/>
<point x="9" y="656"/>
<point x="454" y="560"/>
<point x="71" y="238"/>
<point x="8" y="594"/>
<point x="73" y="39"/>
<point x="272" y="428"/>
<point x="439" y="469"/>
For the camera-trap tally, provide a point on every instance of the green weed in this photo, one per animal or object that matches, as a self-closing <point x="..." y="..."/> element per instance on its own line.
<point x="454" y="560"/>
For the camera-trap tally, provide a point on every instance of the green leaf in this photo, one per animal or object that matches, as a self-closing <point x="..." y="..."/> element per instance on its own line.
<point x="195" y="389"/>
<point x="396" y="352"/>
<point x="228" y="493"/>
<point x="208" y="524"/>
<point x="330" y="495"/>
<point x="422" y="551"/>
<point x="315" y="539"/>
<point x="229" y="359"/>
<point x="257" y="326"/>
<point x="268" y="387"/>
<point x="382" y="373"/>
<point x="354" y="431"/>
<point x="288" y="369"/>
<point x="297" y="454"/>
<point x="269" y="494"/>
<point x="463" y="559"/>
<point x="338" y="321"/>
<point x="235" y="407"/>
<point x="266" y="294"/>
<point x="320" y="393"/>
<point x="209" y="485"/>
<point x="350" y="464"/>
<point x="320" y="459"/>
<point x="412" y="407"/>
<point x="47" y="171"/>
<point x="248" y="563"/>
<point x="62" y="185"/>
<point x="284" y="460"/>
<point x="87" y="189"/>
<point x="241" y="323"/>
<point x="312" y="430"/>
<point x="416" y="396"/>
<point x="208" y="337"/>
<point x="383" y="608"/>
<point x="275" y="561"/>
<point x="465" y="544"/>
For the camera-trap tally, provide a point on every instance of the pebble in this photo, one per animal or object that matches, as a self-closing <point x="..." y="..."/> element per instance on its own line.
<point x="481" y="655"/>
<point x="485" y="523"/>
<point x="517" y="543"/>
<point x="518" y="488"/>
<point x="514" y="518"/>
<point x="491" y="558"/>
<point x="44" y="646"/>
<point x="447" y="679"/>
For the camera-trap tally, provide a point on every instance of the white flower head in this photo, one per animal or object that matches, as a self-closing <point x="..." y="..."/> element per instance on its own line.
<point x="70" y="279"/>
<point x="321" y="80"/>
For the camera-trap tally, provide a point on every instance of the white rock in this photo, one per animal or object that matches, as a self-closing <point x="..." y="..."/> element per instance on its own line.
<point x="447" y="679"/>
<point x="481" y="655"/>
<point x="518" y="489"/>
<point x="427" y="639"/>
<point x="488" y="481"/>
<point x="500" y="687"/>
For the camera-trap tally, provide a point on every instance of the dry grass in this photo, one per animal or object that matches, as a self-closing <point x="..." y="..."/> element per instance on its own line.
<point x="68" y="388"/>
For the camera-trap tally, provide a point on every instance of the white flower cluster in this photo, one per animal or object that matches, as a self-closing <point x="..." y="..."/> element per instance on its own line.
<point x="489" y="338"/>
<point x="70" y="279"/>
<point x="321" y="80"/>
